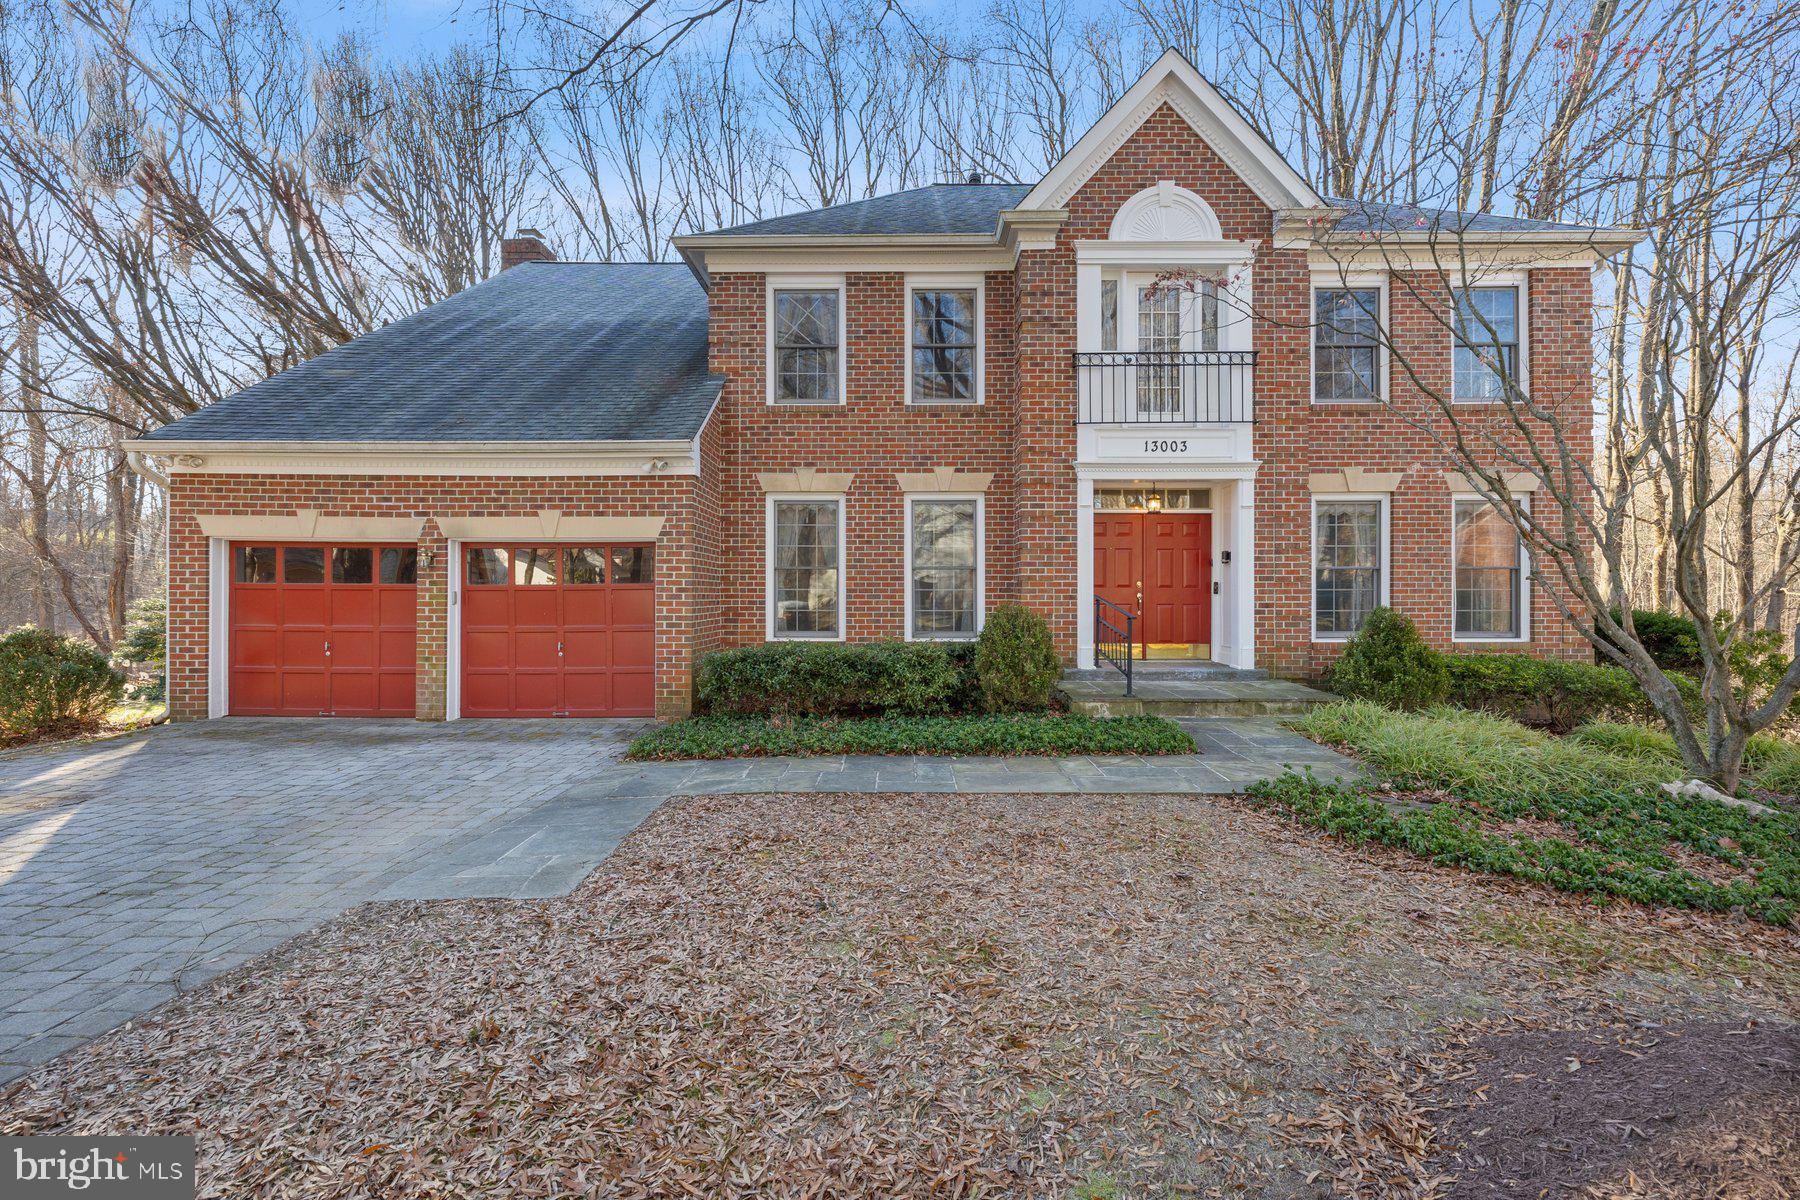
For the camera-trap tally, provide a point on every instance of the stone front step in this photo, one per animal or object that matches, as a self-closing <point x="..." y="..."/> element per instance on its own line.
<point x="1166" y="697"/>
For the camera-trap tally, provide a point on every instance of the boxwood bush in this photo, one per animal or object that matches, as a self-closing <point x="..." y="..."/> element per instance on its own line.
<point x="1016" y="665"/>
<point x="49" y="684"/>
<point x="829" y="679"/>
<point x="1389" y="663"/>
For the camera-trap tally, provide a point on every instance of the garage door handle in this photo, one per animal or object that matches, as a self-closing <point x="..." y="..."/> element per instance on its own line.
<point x="327" y="649"/>
<point x="559" y="649"/>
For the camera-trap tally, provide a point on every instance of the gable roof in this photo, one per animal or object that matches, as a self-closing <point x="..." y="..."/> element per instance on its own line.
<point x="1175" y="81"/>
<point x="939" y="208"/>
<point x="544" y="351"/>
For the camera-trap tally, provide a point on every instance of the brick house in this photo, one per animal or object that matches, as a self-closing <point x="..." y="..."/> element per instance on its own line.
<point x="1152" y="383"/>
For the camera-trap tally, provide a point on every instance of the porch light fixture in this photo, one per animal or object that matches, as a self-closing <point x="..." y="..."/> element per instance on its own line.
<point x="1153" y="501"/>
<point x="430" y="557"/>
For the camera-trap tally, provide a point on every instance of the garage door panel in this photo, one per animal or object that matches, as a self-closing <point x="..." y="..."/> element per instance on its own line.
<point x="535" y="693"/>
<point x="302" y="648"/>
<point x="634" y="694"/>
<point x="252" y="606"/>
<point x="398" y="649"/>
<point x="304" y="692"/>
<point x="305" y="606"/>
<point x="569" y="629"/>
<point x="352" y="606"/>
<point x="633" y="648"/>
<point x="585" y="606"/>
<point x="633" y="606"/>
<point x="486" y="607"/>
<point x="535" y="606"/>
<point x="281" y="624"/>
<point x="585" y="649"/>
<point x="352" y="693"/>
<point x="487" y="650"/>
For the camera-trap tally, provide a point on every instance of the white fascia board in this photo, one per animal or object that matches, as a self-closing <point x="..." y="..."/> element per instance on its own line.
<point x="1174" y="79"/>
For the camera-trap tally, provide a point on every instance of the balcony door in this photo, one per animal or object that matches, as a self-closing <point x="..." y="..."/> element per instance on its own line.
<point x="1172" y="322"/>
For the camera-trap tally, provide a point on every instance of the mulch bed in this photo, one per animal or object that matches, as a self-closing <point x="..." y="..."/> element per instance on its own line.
<point x="1556" y="1112"/>
<point x="937" y="996"/>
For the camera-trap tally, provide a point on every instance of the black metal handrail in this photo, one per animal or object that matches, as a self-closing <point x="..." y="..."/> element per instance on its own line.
<point x="1166" y="387"/>
<point x="1111" y="643"/>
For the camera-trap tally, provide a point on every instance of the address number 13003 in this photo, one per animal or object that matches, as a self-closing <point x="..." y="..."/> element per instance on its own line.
<point x="1165" y="445"/>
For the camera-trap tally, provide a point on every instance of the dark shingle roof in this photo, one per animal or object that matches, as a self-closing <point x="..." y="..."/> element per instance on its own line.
<point x="942" y="208"/>
<point x="1370" y="216"/>
<point x="554" y="352"/>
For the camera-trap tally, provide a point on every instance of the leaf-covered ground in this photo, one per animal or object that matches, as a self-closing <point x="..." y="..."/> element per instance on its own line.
<point x="969" y="996"/>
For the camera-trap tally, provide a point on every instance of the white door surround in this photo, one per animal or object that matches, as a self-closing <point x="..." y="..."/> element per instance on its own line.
<point x="1234" y="534"/>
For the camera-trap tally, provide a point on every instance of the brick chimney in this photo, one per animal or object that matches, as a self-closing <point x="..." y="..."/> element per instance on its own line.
<point x="527" y="245"/>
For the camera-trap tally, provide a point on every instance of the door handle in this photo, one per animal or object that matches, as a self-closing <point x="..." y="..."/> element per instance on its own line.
<point x="327" y="649"/>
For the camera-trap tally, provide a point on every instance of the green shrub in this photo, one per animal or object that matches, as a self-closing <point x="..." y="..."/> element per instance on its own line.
<point x="1016" y="666"/>
<point x="1500" y="782"/>
<point x="985" y="734"/>
<point x="145" y="646"/>
<point x="50" y="683"/>
<point x="1390" y="664"/>
<point x="1548" y="692"/>
<point x="829" y="679"/>
<point x="1669" y="638"/>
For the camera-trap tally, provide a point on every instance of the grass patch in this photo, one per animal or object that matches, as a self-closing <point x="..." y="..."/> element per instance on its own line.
<point x="1770" y="761"/>
<point x="1000" y="734"/>
<point x="1583" y="815"/>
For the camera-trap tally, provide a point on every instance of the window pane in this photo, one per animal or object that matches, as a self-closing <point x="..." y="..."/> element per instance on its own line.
<point x="806" y="568"/>
<point x="584" y="564"/>
<point x="353" y="564"/>
<point x="534" y="567"/>
<point x="806" y="375"/>
<point x="1346" y="564"/>
<point x="806" y="346"/>
<point x="943" y="579"/>
<point x="806" y="318"/>
<point x="487" y="566"/>
<point x="303" y="564"/>
<point x="1346" y="335"/>
<point x="1487" y="342"/>
<point x="1488" y="575"/>
<point x="1109" y="314"/>
<point x="632" y="564"/>
<point x="944" y="318"/>
<point x="943" y="373"/>
<point x="400" y="565"/>
<point x="256" y="564"/>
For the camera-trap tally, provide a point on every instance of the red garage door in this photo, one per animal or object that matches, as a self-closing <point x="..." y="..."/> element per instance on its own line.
<point x="322" y="630"/>
<point x="559" y="631"/>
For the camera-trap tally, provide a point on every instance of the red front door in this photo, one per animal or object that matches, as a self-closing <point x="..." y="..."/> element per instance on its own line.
<point x="1158" y="566"/>
<point x="559" y="631"/>
<point x="322" y="630"/>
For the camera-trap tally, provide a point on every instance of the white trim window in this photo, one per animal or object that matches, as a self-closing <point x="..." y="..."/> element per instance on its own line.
<point x="944" y="341"/>
<point x="806" y="343"/>
<point x="1346" y="347"/>
<point x="945" y="567"/>
<point x="806" y="567"/>
<point x="1490" y="583"/>
<point x="1349" y="563"/>
<point x="1488" y="343"/>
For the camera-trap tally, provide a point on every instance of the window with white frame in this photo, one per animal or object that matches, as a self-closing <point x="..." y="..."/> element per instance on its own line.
<point x="945" y="336"/>
<point x="806" y="582"/>
<point x="1489" y="580"/>
<point x="944" y="566"/>
<point x="1347" y="558"/>
<point x="1486" y="349"/>
<point x="805" y="345"/>
<point x="1347" y="344"/>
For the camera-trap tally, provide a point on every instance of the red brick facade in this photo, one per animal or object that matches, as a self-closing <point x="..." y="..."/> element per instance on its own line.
<point x="711" y="567"/>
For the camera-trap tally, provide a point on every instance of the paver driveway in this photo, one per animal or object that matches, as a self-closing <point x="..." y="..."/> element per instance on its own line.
<point x="140" y="866"/>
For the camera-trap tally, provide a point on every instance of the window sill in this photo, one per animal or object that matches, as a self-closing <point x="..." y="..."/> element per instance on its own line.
<point x="1324" y="400"/>
<point x="1464" y="639"/>
<point x="977" y="403"/>
<point x="807" y="404"/>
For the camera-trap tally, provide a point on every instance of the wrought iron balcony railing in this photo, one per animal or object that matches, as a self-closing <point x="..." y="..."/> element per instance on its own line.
<point x="1181" y="387"/>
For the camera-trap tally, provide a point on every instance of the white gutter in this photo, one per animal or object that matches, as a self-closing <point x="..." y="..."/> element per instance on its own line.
<point x="172" y="446"/>
<point x="137" y="462"/>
